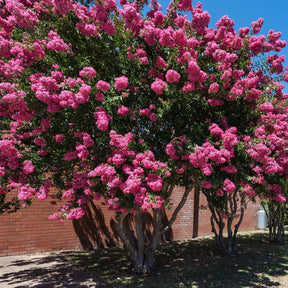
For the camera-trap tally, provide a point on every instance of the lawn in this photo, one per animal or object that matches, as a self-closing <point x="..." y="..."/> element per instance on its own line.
<point x="194" y="263"/>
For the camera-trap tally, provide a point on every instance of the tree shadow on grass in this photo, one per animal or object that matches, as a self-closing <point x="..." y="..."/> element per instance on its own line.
<point x="47" y="272"/>
<point x="256" y="264"/>
<point x="195" y="263"/>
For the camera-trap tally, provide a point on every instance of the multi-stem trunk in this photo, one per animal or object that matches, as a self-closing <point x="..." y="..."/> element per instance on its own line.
<point x="227" y="245"/>
<point x="276" y="213"/>
<point x="142" y="250"/>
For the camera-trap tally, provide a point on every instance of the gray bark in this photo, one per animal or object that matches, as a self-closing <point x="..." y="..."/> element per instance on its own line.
<point x="142" y="251"/>
<point x="276" y="212"/>
<point x="227" y="245"/>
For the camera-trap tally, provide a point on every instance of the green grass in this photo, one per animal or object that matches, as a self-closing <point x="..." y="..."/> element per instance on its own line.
<point x="194" y="263"/>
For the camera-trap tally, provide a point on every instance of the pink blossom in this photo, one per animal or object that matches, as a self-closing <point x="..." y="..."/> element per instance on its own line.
<point x="28" y="167"/>
<point x="243" y="31"/>
<point x="200" y="21"/>
<point x="59" y="138"/>
<point x="215" y="102"/>
<point x="206" y="169"/>
<point x="25" y="192"/>
<point x="266" y="107"/>
<point x="185" y="5"/>
<point x="154" y="182"/>
<point x="132" y="18"/>
<point x="103" y="119"/>
<point x="43" y="152"/>
<point x="171" y="151"/>
<point x="188" y="87"/>
<point x="256" y="26"/>
<point x="167" y="174"/>
<point x="219" y="192"/>
<point x="172" y="76"/>
<point x="56" y="43"/>
<point x="42" y="193"/>
<point x="229" y="186"/>
<point x="69" y="194"/>
<point x="75" y="213"/>
<point x="158" y="85"/>
<point x="121" y="83"/>
<point x="40" y="142"/>
<point x="99" y="96"/>
<point x="102" y="85"/>
<point x="229" y="169"/>
<point x="153" y="117"/>
<point x="88" y="72"/>
<point x="87" y="140"/>
<point x="70" y="155"/>
<point x="214" y="87"/>
<point x="206" y="184"/>
<point x="123" y="111"/>
<point x="229" y="140"/>
<point x="160" y="62"/>
<point x="167" y="37"/>
<point x="216" y="131"/>
<point x="248" y="190"/>
<point x="271" y="167"/>
<point x="117" y="159"/>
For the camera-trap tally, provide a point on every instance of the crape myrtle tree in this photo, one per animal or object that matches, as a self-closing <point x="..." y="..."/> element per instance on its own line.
<point x="269" y="151"/>
<point x="107" y="102"/>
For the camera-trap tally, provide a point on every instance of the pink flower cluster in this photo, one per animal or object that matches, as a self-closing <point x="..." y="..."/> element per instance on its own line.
<point x="132" y="17"/>
<point x="137" y="178"/>
<point x="47" y="90"/>
<point x="172" y="76"/>
<point x="121" y="83"/>
<point x="207" y="152"/>
<point x="56" y="43"/>
<point x="87" y="72"/>
<point x="102" y="118"/>
<point x="229" y="186"/>
<point x="200" y="158"/>
<point x="139" y="55"/>
<point x="102" y="85"/>
<point x="176" y="149"/>
<point x="123" y="111"/>
<point x="210" y="63"/>
<point x="9" y="156"/>
<point x="158" y="86"/>
<point x="148" y="113"/>
<point x="25" y="192"/>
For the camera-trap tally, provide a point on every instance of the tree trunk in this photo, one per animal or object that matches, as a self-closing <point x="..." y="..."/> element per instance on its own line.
<point x="228" y="245"/>
<point x="142" y="251"/>
<point x="276" y="221"/>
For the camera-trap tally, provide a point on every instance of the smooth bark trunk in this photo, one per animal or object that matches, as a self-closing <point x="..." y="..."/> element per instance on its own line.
<point x="276" y="217"/>
<point x="143" y="250"/>
<point x="227" y="245"/>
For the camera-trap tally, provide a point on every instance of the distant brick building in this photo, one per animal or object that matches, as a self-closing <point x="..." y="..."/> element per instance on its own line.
<point x="29" y="230"/>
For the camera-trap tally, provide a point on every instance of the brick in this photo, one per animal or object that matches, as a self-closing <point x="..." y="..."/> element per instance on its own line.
<point x="30" y="231"/>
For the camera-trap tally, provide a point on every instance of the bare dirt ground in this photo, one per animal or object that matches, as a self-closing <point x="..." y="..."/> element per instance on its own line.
<point x="43" y="271"/>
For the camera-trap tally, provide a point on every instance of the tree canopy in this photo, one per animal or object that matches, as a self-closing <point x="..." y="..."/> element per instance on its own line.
<point x="104" y="101"/>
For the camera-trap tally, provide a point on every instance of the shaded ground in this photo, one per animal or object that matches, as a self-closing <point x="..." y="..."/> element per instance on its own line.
<point x="43" y="271"/>
<point x="189" y="264"/>
<point x="195" y="264"/>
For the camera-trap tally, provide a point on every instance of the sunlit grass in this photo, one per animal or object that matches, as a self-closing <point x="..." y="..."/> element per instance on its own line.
<point x="194" y="263"/>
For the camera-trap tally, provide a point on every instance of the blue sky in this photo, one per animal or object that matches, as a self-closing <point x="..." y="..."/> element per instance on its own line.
<point x="243" y="12"/>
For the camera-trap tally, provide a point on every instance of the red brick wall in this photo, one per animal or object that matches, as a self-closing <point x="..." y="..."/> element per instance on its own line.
<point x="29" y="230"/>
<point x="183" y="226"/>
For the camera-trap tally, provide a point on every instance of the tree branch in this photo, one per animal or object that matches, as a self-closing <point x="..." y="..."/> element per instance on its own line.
<point x="188" y="189"/>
